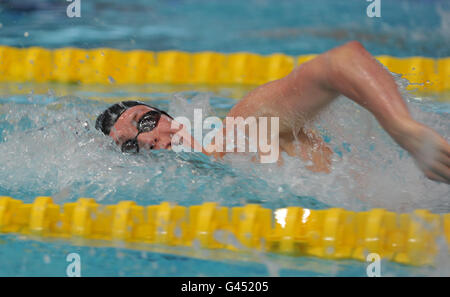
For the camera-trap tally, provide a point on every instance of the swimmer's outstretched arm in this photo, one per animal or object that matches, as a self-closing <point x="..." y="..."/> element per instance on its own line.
<point x="349" y="70"/>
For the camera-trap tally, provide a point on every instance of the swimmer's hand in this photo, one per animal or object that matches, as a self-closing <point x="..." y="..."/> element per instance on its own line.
<point x="429" y="149"/>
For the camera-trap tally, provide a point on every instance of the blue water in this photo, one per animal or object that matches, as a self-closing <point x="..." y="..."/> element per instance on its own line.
<point x="45" y="148"/>
<point x="21" y="257"/>
<point x="406" y="27"/>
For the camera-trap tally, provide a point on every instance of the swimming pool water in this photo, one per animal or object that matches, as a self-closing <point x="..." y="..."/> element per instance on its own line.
<point x="406" y="28"/>
<point x="48" y="145"/>
<point x="22" y="257"/>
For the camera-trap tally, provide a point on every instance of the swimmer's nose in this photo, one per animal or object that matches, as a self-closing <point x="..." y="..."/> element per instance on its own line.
<point x="147" y="141"/>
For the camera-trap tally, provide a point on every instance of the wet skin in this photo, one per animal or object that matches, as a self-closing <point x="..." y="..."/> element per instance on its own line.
<point x="347" y="70"/>
<point x="160" y="137"/>
<point x="311" y="147"/>
<point x="126" y="128"/>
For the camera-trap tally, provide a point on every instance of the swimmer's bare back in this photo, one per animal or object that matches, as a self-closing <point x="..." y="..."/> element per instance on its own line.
<point x="351" y="71"/>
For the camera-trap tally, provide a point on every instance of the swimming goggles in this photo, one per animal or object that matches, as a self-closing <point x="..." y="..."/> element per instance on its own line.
<point x="147" y="123"/>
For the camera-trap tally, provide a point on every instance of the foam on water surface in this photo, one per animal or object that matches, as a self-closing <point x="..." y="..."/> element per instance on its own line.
<point x="49" y="147"/>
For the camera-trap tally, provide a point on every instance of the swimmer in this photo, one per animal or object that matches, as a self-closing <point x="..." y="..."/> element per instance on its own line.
<point x="347" y="70"/>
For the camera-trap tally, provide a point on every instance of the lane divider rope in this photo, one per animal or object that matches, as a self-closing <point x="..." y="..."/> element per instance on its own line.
<point x="331" y="233"/>
<point x="110" y="66"/>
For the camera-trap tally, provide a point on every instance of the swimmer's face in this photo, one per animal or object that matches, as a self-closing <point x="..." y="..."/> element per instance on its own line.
<point x="160" y="137"/>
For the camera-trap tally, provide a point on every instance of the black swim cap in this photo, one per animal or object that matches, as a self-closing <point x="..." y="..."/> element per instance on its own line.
<point x="106" y="120"/>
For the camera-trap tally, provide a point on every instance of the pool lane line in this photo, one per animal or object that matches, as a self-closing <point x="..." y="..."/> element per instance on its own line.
<point x="107" y="66"/>
<point x="408" y="238"/>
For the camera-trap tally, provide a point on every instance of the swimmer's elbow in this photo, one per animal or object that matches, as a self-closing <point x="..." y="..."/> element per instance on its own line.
<point x="354" y="46"/>
<point x="341" y="61"/>
<point x="346" y="54"/>
<point x="349" y="51"/>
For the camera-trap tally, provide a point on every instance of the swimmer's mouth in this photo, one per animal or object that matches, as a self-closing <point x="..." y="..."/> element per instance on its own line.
<point x="153" y="147"/>
<point x="175" y="140"/>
